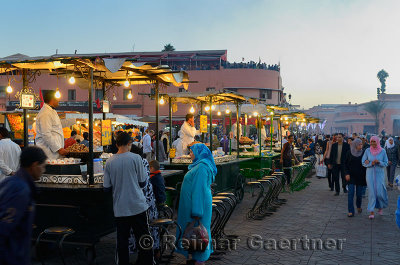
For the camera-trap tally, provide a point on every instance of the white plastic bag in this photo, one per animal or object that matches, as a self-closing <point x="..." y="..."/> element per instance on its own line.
<point x="321" y="171"/>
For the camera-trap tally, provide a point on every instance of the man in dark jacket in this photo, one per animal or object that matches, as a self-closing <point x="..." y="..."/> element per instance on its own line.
<point x="17" y="195"/>
<point x="337" y="162"/>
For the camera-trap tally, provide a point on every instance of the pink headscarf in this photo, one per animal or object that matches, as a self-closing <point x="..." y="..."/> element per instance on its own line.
<point x="375" y="151"/>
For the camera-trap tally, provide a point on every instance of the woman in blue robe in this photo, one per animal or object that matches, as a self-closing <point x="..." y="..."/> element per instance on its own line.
<point x="376" y="160"/>
<point x="196" y="199"/>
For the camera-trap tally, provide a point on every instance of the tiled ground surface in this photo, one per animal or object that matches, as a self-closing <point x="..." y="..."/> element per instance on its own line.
<point x="313" y="212"/>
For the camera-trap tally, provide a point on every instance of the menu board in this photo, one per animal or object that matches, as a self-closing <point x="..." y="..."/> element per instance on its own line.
<point x="28" y="101"/>
<point x="203" y="123"/>
<point x="106" y="132"/>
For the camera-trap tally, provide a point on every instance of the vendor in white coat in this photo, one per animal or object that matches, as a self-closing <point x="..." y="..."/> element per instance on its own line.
<point x="9" y="155"/>
<point x="49" y="132"/>
<point x="233" y="133"/>
<point x="188" y="132"/>
<point x="263" y="131"/>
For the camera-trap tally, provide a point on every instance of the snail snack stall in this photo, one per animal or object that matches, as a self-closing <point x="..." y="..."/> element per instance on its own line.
<point x="210" y="106"/>
<point x="265" y="154"/>
<point x="70" y="193"/>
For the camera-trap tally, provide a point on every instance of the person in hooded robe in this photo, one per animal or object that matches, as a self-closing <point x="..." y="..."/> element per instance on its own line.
<point x="196" y="198"/>
<point x="392" y="152"/>
<point x="376" y="160"/>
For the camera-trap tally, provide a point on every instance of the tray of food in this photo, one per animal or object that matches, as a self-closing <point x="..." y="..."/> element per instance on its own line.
<point x="81" y="151"/>
<point x="245" y="140"/>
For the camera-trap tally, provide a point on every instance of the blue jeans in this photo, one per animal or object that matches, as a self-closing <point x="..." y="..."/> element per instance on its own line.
<point x="358" y="189"/>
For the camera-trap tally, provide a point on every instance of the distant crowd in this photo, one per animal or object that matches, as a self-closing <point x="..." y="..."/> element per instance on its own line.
<point x="226" y="65"/>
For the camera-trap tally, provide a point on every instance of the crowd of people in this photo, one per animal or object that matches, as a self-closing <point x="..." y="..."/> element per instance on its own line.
<point x="225" y="65"/>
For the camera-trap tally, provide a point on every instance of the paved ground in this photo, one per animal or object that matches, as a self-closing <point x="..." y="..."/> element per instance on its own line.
<point x="313" y="214"/>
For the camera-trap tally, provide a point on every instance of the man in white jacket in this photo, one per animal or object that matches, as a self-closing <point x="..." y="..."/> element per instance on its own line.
<point x="233" y="133"/>
<point x="9" y="155"/>
<point x="188" y="132"/>
<point x="49" y="131"/>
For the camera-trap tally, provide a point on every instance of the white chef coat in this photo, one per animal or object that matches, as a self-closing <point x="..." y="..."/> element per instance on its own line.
<point x="187" y="134"/>
<point x="234" y="132"/>
<point x="9" y="157"/>
<point x="263" y="135"/>
<point x="49" y="132"/>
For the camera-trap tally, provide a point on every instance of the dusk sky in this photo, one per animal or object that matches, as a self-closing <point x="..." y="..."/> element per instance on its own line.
<point x="330" y="51"/>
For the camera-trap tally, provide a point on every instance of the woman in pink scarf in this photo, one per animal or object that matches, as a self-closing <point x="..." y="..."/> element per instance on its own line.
<point x="375" y="160"/>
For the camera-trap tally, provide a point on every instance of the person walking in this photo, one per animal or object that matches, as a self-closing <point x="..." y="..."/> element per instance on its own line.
<point x="392" y="152"/>
<point x="375" y="160"/>
<point x="196" y="200"/>
<point x="9" y="155"/>
<point x="355" y="176"/>
<point x="147" y="144"/>
<point x="337" y="162"/>
<point x="17" y="207"/>
<point x="327" y="153"/>
<point x="125" y="175"/>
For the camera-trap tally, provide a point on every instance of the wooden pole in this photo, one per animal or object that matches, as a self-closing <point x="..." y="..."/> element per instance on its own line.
<point x="25" y="111"/>
<point x="90" y="162"/>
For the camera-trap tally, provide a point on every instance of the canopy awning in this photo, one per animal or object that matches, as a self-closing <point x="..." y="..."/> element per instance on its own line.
<point x="218" y="97"/>
<point x="112" y="68"/>
<point x="110" y="116"/>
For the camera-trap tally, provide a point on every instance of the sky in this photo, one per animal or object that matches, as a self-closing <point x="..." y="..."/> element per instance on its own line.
<point x="329" y="50"/>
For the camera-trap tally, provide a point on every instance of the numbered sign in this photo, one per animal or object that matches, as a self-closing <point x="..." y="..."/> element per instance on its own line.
<point x="203" y="123"/>
<point x="106" y="132"/>
<point x="27" y="101"/>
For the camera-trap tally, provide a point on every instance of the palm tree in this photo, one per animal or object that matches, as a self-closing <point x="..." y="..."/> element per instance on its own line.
<point x="375" y="108"/>
<point x="168" y="48"/>
<point x="382" y="75"/>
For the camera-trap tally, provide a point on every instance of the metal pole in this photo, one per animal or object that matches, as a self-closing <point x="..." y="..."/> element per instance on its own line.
<point x="104" y="96"/>
<point x="259" y="133"/>
<point x="25" y="112"/>
<point x="280" y="133"/>
<point x="90" y="162"/>
<point x="272" y="130"/>
<point x="245" y="124"/>
<point x="230" y="128"/>
<point x="211" y="138"/>
<point x="237" y="129"/>
<point x="157" y="117"/>
<point x="170" y="125"/>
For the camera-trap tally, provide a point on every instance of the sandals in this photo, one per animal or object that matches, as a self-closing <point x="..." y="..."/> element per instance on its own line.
<point x="380" y="212"/>
<point x="359" y="210"/>
<point x="371" y="216"/>
<point x="350" y="215"/>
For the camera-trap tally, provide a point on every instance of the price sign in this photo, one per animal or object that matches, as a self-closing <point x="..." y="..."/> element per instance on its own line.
<point x="203" y="123"/>
<point x="28" y="101"/>
<point x="106" y="132"/>
<point x="106" y="106"/>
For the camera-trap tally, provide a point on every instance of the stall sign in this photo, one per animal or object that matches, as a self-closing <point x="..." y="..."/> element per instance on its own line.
<point x="203" y="123"/>
<point x="28" y="101"/>
<point x="106" y="106"/>
<point x="106" y="132"/>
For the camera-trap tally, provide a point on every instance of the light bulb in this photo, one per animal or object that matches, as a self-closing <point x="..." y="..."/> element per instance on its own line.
<point x="249" y="116"/>
<point x="297" y="123"/>
<point x="34" y="119"/>
<point x="162" y="101"/>
<point x="227" y="111"/>
<point x="114" y="97"/>
<point x="9" y="89"/>
<point x="78" y="122"/>
<point x="126" y="83"/>
<point x="130" y="95"/>
<point x="207" y="108"/>
<point x="27" y="116"/>
<point x="255" y="113"/>
<point x="71" y="80"/>
<point x="287" y="122"/>
<point x="219" y="113"/>
<point x="212" y="107"/>
<point x="58" y="94"/>
<point x="304" y="119"/>
<point x="268" y="118"/>
<point x="191" y="110"/>
<point x="272" y="113"/>
<point x="286" y="118"/>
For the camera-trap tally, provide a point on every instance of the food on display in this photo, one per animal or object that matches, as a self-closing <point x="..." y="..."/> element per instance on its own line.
<point x="193" y="143"/>
<point x="64" y="161"/>
<point x="106" y="155"/>
<point x="245" y="140"/>
<point x="78" y="148"/>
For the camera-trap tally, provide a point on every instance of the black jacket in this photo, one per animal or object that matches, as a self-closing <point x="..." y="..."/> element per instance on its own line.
<point x="334" y="153"/>
<point x="354" y="168"/>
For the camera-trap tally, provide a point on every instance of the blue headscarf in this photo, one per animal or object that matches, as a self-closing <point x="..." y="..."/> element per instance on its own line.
<point x="203" y="155"/>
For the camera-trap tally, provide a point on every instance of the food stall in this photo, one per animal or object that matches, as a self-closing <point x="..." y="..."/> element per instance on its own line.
<point x="71" y="192"/>
<point x="228" y="176"/>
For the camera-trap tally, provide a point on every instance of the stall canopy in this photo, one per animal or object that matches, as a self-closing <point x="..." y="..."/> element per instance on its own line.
<point x="111" y="67"/>
<point x="218" y="97"/>
<point x="110" y="116"/>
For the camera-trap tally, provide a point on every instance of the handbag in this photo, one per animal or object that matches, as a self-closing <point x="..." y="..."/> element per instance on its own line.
<point x="195" y="238"/>
<point x="321" y="170"/>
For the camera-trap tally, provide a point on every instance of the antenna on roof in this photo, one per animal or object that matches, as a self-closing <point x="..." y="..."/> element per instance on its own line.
<point x="133" y="48"/>
<point x="56" y="51"/>
<point x="76" y="51"/>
